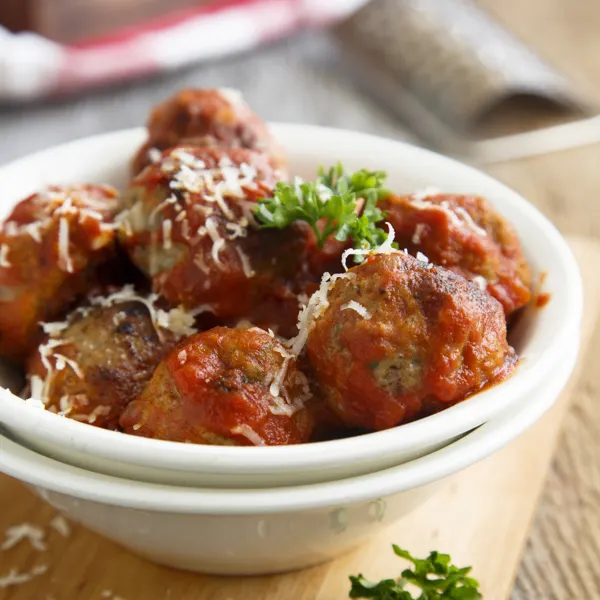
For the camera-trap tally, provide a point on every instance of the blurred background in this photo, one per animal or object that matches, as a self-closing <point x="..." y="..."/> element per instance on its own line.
<point x="455" y="75"/>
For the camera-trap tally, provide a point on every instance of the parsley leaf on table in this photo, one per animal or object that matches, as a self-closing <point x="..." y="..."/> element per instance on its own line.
<point x="337" y="203"/>
<point x="434" y="576"/>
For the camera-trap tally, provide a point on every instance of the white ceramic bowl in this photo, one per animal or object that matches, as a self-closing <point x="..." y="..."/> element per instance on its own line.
<point x="262" y="531"/>
<point x="541" y="337"/>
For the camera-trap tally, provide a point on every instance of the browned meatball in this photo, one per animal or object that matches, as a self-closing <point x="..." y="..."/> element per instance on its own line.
<point x="94" y="363"/>
<point x="466" y="235"/>
<point x="50" y="247"/>
<point x="399" y="336"/>
<point x="227" y="387"/>
<point x="190" y="227"/>
<point x="207" y="117"/>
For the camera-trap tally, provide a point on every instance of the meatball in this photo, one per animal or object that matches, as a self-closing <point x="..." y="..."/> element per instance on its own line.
<point x="190" y="227"/>
<point x="226" y="387"/>
<point x="466" y="235"/>
<point x="398" y="336"/>
<point x="50" y="248"/>
<point x="207" y="117"/>
<point x="98" y="360"/>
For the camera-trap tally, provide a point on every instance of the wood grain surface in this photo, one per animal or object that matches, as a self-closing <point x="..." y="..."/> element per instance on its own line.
<point x="481" y="516"/>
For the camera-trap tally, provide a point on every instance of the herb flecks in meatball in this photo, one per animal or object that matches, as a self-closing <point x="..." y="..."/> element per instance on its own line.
<point x="398" y="335"/>
<point x="100" y="358"/>
<point x="466" y="235"/>
<point x="207" y="117"/>
<point x="228" y="387"/>
<point x="50" y="248"/>
<point x="190" y="227"/>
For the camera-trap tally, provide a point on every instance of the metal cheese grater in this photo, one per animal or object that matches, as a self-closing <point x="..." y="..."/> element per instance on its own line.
<point x="441" y="65"/>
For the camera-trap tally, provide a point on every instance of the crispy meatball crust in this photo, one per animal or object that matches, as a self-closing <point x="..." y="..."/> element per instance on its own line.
<point x="425" y="336"/>
<point x="39" y="277"/>
<point x="466" y="235"/>
<point x="216" y="388"/>
<point x="190" y="227"/>
<point x="207" y="117"/>
<point x="112" y="352"/>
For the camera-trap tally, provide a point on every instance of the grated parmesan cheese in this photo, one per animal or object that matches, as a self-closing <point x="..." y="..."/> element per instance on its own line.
<point x="99" y="411"/>
<point x="480" y="281"/>
<point x="218" y="241"/>
<point x="60" y="524"/>
<point x="425" y="193"/>
<point x="359" y="308"/>
<point x="468" y="220"/>
<point x="419" y="229"/>
<point x="385" y="248"/>
<point x="4" y="262"/>
<point x="167" y="228"/>
<point x="275" y="386"/>
<point x="457" y="215"/>
<point x="182" y="356"/>
<point x="63" y="245"/>
<point x="34" y="231"/>
<point x="176" y="320"/>
<point x="154" y="154"/>
<point x="13" y="577"/>
<point x="53" y="329"/>
<point x="237" y="230"/>
<point x="246" y="266"/>
<point x="249" y="434"/>
<point x="24" y="531"/>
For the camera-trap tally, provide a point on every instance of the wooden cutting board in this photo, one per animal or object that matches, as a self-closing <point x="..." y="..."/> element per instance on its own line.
<point x="481" y="517"/>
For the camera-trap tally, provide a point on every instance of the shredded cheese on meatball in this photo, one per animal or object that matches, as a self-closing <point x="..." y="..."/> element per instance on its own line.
<point x="359" y="308"/>
<point x="480" y="281"/>
<point x="189" y="175"/>
<point x="315" y="307"/>
<point x="154" y="154"/>
<point x="249" y="434"/>
<point x="167" y="228"/>
<point x="246" y="266"/>
<point x="218" y="241"/>
<point x="385" y="248"/>
<point x="419" y="229"/>
<point x="99" y="411"/>
<point x="457" y="215"/>
<point x="69" y="205"/>
<point x="4" y="250"/>
<point x="177" y="320"/>
<point x="65" y="261"/>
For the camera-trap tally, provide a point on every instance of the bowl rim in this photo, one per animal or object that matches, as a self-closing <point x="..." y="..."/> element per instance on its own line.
<point x="48" y="474"/>
<point x="317" y="455"/>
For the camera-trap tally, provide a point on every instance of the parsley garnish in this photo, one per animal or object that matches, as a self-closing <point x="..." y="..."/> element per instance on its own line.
<point x="434" y="576"/>
<point x="330" y="205"/>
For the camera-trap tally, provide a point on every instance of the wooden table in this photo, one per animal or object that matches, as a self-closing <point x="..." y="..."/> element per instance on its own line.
<point x="561" y="558"/>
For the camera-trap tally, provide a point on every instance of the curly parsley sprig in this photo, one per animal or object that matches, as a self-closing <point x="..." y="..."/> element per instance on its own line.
<point x="337" y="203"/>
<point x="434" y="577"/>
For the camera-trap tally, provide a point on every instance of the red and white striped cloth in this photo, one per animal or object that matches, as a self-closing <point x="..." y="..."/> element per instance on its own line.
<point x="32" y="66"/>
